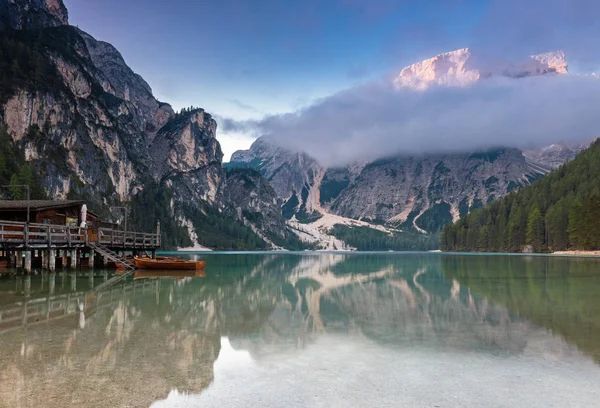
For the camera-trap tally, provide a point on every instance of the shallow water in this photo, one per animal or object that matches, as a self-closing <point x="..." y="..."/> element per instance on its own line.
<point x="316" y="330"/>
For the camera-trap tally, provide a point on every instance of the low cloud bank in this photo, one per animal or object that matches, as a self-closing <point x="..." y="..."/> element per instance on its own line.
<point x="374" y="120"/>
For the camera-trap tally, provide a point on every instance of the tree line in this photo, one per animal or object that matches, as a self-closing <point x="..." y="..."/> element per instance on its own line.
<point x="369" y="239"/>
<point x="558" y="212"/>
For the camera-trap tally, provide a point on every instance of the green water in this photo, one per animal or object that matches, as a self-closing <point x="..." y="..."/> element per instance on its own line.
<point x="315" y="330"/>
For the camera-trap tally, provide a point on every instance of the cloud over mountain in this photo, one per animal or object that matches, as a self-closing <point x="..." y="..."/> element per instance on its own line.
<point x="452" y="102"/>
<point x="374" y="120"/>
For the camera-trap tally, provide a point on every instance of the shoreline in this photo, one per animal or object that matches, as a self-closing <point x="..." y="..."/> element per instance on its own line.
<point x="576" y="253"/>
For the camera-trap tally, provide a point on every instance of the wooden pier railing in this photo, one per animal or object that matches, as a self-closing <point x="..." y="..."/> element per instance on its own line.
<point x="19" y="234"/>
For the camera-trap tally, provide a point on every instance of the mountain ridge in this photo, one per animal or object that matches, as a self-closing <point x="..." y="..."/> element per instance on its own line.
<point x="93" y="130"/>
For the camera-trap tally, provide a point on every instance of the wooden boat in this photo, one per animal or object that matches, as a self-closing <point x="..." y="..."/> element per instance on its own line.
<point x="168" y="264"/>
<point x="148" y="274"/>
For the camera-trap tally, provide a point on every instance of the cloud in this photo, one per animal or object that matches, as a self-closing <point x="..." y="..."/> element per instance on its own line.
<point x="244" y="106"/>
<point x="373" y="121"/>
<point x="517" y="28"/>
<point x="229" y="125"/>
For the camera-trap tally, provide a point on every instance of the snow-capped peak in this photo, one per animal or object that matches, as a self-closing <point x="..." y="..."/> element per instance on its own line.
<point x="459" y="68"/>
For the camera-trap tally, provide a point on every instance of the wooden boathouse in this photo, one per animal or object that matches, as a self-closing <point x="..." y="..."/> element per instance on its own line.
<point x="65" y="231"/>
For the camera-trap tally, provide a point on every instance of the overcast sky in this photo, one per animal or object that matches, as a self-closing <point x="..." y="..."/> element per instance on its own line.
<point x="279" y="60"/>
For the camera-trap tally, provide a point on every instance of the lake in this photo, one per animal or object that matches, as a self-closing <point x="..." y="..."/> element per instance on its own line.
<point x="308" y="329"/>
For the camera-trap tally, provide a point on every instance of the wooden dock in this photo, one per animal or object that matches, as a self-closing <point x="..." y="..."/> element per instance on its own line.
<point x="20" y="241"/>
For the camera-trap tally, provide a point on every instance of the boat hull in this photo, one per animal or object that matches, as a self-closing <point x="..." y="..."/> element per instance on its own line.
<point x="151" y="274"/>
<point x="169" y="264"/>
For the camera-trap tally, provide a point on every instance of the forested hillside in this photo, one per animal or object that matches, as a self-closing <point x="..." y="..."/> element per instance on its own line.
<point x="560" y="211"/>
<point x="369" y="239"/>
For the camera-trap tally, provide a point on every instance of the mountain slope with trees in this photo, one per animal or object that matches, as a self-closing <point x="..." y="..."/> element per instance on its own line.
<point x="559" y="212"/>
<point x="76" y="122"/>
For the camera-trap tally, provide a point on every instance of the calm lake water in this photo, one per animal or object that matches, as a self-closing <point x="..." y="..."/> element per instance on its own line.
<point x="314" y="330"/>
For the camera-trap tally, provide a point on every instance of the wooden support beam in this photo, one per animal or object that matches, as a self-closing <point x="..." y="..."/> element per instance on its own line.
<point x="74" y="258"/>
<point x="28" y="261"/>
<point x="18" y="259"/>
<point x="52" y="260"/>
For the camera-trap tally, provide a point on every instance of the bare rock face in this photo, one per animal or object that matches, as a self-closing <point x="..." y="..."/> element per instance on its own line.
<point x="554" y="155"/>
<point x="118" y="79"/>
<point x="293" y="175"/>
<point x="427" y="192"/>
<point x="32" y="14"/>
<point x="450" y="69"/>
<point x="256" y="202"/>
<point x="186" y="152"/>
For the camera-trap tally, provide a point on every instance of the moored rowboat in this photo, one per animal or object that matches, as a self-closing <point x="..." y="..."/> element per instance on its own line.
<point x="168" y="263"/>
<point x="150" y="274"/>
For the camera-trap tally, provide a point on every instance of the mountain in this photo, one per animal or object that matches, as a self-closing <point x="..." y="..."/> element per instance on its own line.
<point x="80" y="123"/>
<point x="461" y="68"/>
<point x="30" y="14"/>
<point x="419" y="192"/>
<point x="422" y="193"/>
<point x="91" y="128"/>
<point x="559" y="212"/>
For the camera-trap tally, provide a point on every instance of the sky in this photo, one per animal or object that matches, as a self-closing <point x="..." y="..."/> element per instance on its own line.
<point x="263" y="62"/>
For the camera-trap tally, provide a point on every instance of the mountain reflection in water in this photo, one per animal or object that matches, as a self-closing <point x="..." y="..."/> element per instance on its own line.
<point x="324" y="329"/>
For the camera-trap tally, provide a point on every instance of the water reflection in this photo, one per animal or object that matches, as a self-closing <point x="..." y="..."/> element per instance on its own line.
<point x="145" y="338"/>
<point x="560" y="294"/>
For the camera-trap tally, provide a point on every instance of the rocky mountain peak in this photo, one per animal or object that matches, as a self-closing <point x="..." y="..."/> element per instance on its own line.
<point x="450" y="69"/>
<point x="32" y="14"/>
<point x="555" y="60"/>
<point x="462" y="68"/>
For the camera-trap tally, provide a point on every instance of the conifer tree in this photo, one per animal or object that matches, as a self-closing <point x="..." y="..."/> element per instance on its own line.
<point x="535" y="230"/>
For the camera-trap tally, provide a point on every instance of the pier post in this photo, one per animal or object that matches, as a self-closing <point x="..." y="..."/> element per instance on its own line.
<point x="65" y="259"/>
<point x="52" y="283"/>
<point x="19" y="260"/>
<point x="74" y="256"/>
<point x="52" y="260"/>
<point x="73" y="281"/>
<point x="27" y="283"/>
<point x="27" y="261"/>
<point x="92" y="258"/>
<point x="44" y="256"/>
<point x="154" y="254"/>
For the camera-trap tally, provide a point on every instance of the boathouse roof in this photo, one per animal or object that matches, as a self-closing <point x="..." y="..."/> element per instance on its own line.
<point x="12" y="205"/>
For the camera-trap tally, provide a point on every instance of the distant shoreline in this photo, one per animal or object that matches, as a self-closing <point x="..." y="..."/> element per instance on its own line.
<point x="334" y="251"/>
<point x="577" y="253"/>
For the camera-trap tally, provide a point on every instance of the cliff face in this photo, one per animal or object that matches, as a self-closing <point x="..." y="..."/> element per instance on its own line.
<point x="427" y="192"/>
<point x="287" y="171"/>
<point x="256" y="203"/>
<point x="92" y="126"/>
<point x="30" y="14"/>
